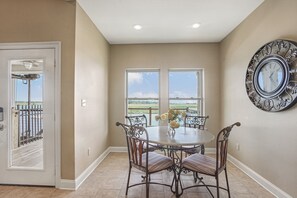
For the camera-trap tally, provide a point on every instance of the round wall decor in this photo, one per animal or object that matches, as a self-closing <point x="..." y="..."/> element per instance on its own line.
<point x="271" y="77"/>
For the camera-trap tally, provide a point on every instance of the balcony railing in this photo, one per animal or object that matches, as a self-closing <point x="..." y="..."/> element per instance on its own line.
<point x="28" y="123"/>
<point x="148" y="111"/>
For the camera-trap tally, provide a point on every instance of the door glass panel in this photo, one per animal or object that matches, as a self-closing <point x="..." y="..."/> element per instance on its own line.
<point x="26" y="134"/>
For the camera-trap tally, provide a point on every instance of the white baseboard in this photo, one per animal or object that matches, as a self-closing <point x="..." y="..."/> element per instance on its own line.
<point x="84" y="175"/>
<point x="258" y="178"/>
<point x="74" y="184"/>
<point x="66" y="184"/>
<point x="210" y="150"/>
<point x="114" y="149"/>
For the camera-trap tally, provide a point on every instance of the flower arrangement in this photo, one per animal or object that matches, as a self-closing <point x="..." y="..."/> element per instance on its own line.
<point x="173" y="117"/>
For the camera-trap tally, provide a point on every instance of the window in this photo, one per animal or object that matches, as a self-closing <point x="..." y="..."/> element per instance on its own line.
<point x="143" y="94"/>
<point x="185" y="91"/>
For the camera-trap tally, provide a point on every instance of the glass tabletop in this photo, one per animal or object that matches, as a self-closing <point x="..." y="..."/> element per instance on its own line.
<point x="184" y="136"/>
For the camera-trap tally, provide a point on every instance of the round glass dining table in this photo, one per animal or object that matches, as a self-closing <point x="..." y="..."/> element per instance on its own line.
<point x="183" y="136"/>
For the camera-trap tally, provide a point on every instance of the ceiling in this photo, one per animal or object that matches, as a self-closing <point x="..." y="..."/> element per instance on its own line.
<point x="167" y="21"/>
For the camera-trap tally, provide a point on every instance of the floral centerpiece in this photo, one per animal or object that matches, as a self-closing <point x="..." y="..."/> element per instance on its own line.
<point x="173" y="117"/>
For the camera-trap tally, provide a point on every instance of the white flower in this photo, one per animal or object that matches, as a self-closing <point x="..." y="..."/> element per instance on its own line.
<point x="163" y="116"/>
<point x="174" y="124"/>
<point x="173" y="117"/>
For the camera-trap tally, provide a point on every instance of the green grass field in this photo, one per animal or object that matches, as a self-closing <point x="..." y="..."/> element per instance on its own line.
<point x="144" y="108"/>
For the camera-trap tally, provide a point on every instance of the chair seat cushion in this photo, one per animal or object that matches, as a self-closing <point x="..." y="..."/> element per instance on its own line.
<point x="200" y="163"/>
<point x="156" y="162"/>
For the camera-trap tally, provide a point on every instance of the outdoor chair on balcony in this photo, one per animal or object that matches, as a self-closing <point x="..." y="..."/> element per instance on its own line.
<point x="141" y="159"/>
<point x="210" y="166"/>
<point x="141" y="120"/>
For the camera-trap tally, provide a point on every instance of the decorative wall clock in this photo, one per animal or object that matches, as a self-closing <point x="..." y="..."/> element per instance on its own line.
<point x="271" y="77"/>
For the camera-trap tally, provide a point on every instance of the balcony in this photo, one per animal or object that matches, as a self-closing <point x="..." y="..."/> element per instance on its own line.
<point x="27" y="136"/>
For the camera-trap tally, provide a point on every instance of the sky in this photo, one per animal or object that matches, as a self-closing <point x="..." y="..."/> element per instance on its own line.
<point x="22" y="90"/>
<point x="182" y="84"/>
<point x="143" y="84"/>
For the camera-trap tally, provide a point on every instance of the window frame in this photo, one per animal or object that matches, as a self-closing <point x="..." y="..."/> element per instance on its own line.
<point x="127" y="85"/>
<point x="200" y="88"/>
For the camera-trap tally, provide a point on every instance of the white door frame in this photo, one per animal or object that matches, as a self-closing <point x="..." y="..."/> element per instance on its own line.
<point x="56" y="45"/>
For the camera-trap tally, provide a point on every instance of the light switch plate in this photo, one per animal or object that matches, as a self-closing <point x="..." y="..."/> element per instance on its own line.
<point x="83" y="102"/>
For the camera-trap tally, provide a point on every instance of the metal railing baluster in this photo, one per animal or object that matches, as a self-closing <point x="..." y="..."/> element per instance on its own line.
<point x="26" y="133"/>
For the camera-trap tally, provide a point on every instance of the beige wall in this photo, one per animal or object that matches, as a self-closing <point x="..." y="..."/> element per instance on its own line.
<point x="47" y="20"/>
<point x="268" y="141"/>
<point x="163" y="57"/>
<point x="91" y="83"/>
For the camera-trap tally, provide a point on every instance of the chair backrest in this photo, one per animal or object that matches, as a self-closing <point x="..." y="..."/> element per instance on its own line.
<point x="137" y="140"/>
<point x="222" y="147"/>
<point x="195" y="121"/>
<point x="138" y="120"/>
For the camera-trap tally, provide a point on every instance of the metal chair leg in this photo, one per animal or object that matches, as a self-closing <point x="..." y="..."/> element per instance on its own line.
<point x="147" y="186"/>
<point x="218" y="189"/>
<point x="227" y="182"/>
<point x="127" y="187"/>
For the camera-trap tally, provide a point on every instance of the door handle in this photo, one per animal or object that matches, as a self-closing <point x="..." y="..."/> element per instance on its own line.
<point x="1" y="114"/>
<point x="1" y="119"/>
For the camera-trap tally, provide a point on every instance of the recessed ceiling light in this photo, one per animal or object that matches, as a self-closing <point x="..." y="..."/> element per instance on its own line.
<point x="137" y="27"/>
<point x="196" y="25"/>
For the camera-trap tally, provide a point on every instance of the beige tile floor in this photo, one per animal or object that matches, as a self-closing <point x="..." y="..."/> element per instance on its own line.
<point x="109" y="181"/>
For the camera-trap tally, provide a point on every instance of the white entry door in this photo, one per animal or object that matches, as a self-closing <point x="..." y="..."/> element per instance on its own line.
<point x="27" y="122"/>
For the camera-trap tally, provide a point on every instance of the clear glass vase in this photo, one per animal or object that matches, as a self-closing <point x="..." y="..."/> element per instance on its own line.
<point x="171" y="131"/>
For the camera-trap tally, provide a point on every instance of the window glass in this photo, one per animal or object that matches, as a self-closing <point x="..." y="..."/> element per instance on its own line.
<point x="190" y="106"/>
<point x="183" y="84"/>
<point x="143" y="84"/>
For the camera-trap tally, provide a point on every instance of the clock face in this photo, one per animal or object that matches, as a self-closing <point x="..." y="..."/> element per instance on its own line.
<point x="271" y="77"/>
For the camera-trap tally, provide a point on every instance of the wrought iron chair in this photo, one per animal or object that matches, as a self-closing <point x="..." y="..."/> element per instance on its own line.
<point x="141" y="159"/>
<point x="199" y="122"/>
<point x="195" y="122"/>
<point x="141" y="120"/>
<point x="211" y="166"/>
<point x="138" y="120"/>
